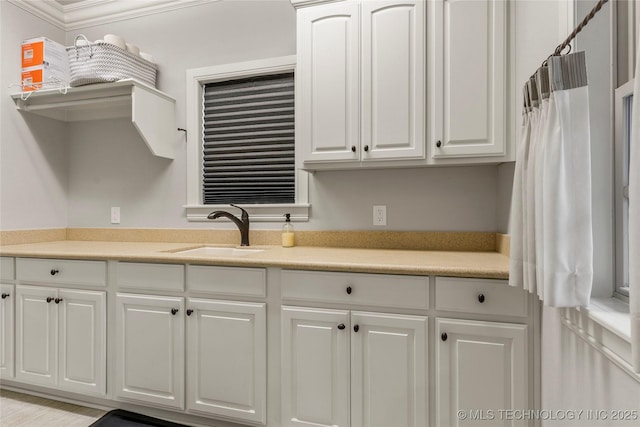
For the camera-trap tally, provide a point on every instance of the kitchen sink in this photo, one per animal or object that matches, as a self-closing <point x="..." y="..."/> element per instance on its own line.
<point x="217" y="251"/>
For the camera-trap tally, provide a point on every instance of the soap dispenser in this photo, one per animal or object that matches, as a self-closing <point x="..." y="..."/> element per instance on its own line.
<point x="288" y="236"/>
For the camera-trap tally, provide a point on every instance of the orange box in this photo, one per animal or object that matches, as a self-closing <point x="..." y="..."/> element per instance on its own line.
<point x="44" y="51"/>
<point x="33" y="77"/>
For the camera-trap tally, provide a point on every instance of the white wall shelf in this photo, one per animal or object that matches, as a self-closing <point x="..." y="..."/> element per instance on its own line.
<point x="152" y="112"/>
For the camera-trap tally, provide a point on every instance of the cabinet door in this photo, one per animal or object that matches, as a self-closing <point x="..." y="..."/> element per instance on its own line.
<point x="388" y="370"/>
<point x="481" y="367"/>
<point x="393" y="79"/>
<point x="150" y="349"/>
<point x="327" y="82"/>
<point x="82" y="341"/>
<point x="6" y="331"/>
<point x="227" y="359"/>
<point x="469" y="112"/>
<point x="315" y="367"/>
<point x="36" y="335"/>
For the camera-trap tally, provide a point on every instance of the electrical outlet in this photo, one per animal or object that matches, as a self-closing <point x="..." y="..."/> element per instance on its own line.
<point x="115" y="215"/>
<point x="380" y="215"/>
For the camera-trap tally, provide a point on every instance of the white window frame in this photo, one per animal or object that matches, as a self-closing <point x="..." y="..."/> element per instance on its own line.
<point x="621" y="139"/>
<point x="196" y="79"/>
<point x="625" y="34"/>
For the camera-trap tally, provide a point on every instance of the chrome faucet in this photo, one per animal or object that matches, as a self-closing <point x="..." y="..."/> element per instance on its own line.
<point x="243" y="224"/>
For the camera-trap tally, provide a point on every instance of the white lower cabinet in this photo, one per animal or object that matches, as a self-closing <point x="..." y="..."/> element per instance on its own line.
<point x="388" y="370"/>
<point x="350" y="368"/>
<point x="227" y="359"/>
<point x="61" y="338"/>
<point x="150" y="349"/>
<point x="36" y="335"/>
<point x="6" y="330"/>
<point x="340" y="366"/>
<point x="225" y="354"/>
<point x="482" y="369"/>
<point x="315" y="367"/>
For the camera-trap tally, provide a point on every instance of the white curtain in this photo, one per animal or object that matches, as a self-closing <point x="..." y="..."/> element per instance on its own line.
<point x="517" y="220"/>
<point x="529" y="191"/>
<point x="551" y="216"/>
<point x="634" y="221"/>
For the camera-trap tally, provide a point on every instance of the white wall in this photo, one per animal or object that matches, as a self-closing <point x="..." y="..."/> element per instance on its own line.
<point x="109" y="165"/>
<point x="532" y="47"/>
<point x="505" y="189"/>
<point x="576" y="376"/>
<point x="58" y="175"/>
<point x="52" y="176"/>
<point x="34" y="151"/>
<point x="595" y="40"/>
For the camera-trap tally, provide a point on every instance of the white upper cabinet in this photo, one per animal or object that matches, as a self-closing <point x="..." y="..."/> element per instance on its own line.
<point x="361" y="81"/>
<point x="393" y="79"/>
<point x="328" y="115"/>
<point x="376" y="80"/>
<point x="469" y="78"/>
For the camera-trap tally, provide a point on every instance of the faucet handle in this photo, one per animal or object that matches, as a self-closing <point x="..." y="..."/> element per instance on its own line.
<point x="245" y="214"/>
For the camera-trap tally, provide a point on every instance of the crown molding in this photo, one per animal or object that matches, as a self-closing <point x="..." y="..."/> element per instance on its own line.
<point x="304" y="3"/>
<point x="47" y="10"/>
<point x="89" y="13"/>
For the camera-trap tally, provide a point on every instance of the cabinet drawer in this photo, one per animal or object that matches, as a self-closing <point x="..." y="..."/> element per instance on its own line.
<point x="227" y="280"/>
<point x="61" y="271"/>
<point x="149" y="276"/>
<point x="482" y="296"/>
<point x="356" y="288"/>
<point x="7" y="271"/>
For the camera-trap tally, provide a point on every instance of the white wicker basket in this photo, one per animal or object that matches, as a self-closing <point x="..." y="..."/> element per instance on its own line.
<point x="103" y="62"/>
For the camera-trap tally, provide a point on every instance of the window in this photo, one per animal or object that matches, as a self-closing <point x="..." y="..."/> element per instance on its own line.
<point x="241" y="141"/>
<point x="248" y="140"/>
<point x="624" y="54"/>
<point x="623" y="115"/>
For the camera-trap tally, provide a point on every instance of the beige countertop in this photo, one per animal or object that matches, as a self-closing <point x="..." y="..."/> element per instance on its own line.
<point x="391" y="261"/>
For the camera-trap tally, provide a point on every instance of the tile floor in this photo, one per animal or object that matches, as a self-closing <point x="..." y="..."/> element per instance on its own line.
<point x="23" y="410"/>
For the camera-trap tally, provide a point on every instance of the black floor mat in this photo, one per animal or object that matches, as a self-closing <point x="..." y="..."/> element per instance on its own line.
<point x="120" y="418"/>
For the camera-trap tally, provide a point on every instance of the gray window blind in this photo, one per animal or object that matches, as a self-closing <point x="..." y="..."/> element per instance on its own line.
<point x="248" y="141"/>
